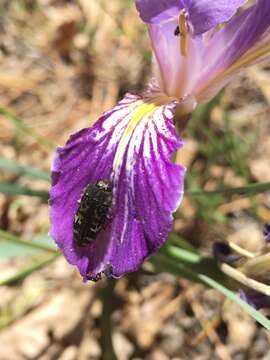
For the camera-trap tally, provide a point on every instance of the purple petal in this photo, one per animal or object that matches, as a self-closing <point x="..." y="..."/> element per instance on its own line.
<point x="266" y="232"/>
<point x="242" y="42"/>
<point x="147" y="186"/>
<point x="204" y="15"/>
<point x="177" y="73"/>
<point x="255" y="299"/>
<point x="155" y="12"/>
<point x="223" y="252"/>
<point x="252" y="24"/>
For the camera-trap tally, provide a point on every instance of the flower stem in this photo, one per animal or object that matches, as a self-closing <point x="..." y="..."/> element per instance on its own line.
<point x="107" y="296"/>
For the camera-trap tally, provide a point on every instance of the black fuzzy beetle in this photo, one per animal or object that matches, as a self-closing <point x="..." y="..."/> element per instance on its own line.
<point x="93" y="212"/>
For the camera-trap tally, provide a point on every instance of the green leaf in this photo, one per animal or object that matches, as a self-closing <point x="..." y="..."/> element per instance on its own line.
<point x="27" y="170"/>
<point x="163" y="263"/>
<point x="34" y="245"/>
<point x="15" y="189"/>
<point x="235" y="298"/>
<point x="182" y="254"/>
<point x="11" y="250"/>
<point x="44" y="239"/>
<point x="202" y="271"/>
<point x="195" y="262"/>
<point x="36" y="265"/>
<point x="181" y="242"/>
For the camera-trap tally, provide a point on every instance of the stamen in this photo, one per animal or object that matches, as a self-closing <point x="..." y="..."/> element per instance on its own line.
<point x="183" y="32"/>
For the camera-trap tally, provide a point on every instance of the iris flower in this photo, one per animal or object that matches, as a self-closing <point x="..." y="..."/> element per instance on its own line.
<point x="198" y="45"/>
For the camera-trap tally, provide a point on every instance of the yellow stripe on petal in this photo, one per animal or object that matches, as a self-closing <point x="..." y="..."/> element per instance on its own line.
<point x="144" y="109"/>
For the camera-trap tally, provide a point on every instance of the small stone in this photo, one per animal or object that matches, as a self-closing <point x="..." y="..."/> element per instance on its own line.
<point x="122" y="346"/>
<point x="70" y="353"/>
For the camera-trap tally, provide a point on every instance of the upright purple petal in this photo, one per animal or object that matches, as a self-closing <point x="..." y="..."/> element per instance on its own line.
<point x="130" y="146"/>
<point x="155" y="12"/>
<point x="220" y="42"/>
<point x="252" y="24"/>
<point x="241" y="43"/>
<point x="204" y="15"/>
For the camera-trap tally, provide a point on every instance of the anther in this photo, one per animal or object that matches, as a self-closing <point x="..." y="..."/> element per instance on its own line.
<point x="183" y="31"/>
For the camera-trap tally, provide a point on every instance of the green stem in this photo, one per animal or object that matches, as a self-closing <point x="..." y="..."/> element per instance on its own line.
<point x="107" y="295"/>
<point x="16" y="240"/>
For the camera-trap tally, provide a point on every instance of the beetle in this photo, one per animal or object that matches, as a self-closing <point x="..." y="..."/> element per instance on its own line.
<point x="93" y="212"/>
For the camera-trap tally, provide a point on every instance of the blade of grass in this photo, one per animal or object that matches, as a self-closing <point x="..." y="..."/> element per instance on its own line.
<point x="17" y="169"/>
<point x="243" y="190"/>
<point x="19" y="123"/>
<point x="37" y="265"/>
<point x="178" y="269"/>
<point x="196" y="262"/>
<point x="167" y="264"/>
<point x="181" y="242"/>
<point x="235" y="298"/>
<point x="163" y="263"/>
<point x="182" y="254"/>
<point x="15" y="189"/>
<point x="16" y="240"/>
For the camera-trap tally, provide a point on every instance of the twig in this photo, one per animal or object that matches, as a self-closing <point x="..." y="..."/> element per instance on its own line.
<point x="239" y="250"/>
<point x="243" y="279"/>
